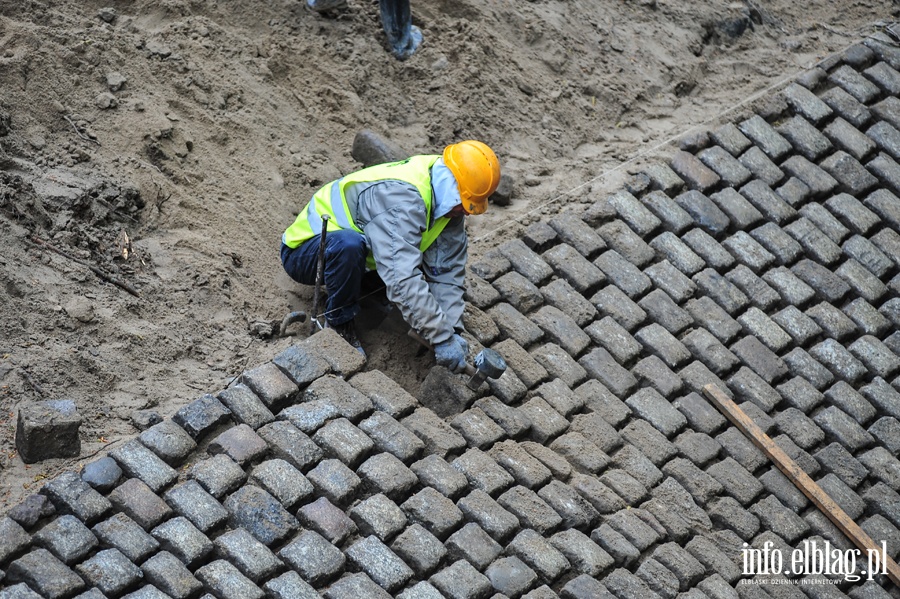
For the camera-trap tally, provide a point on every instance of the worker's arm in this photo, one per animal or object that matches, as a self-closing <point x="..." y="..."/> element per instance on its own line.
<point x="445" y="269"/>
<point x="392" y="216"/>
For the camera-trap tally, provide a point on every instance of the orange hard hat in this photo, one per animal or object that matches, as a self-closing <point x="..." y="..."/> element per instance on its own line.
<point x="477" y="173"/>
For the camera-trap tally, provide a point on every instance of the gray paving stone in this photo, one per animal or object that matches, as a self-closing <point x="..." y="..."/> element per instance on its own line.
<point x="218" y="475"/>
<point x="561" y="295"/>
<point x="779" y="519"/>
<point x="574" y="268"/>
<point x="290" y="444"/>
<point x="539" y="236"/>
<point x="757" y="291"/>
<point x="736" y="480"/>
<point x="854" y="84"/>
<point x="479" y="292"/>
<point x="379" y="516"/>
<point x="748" y="251"/>
<point x="799" y="393"/>
<point x="434" y="472"/>
<point x="623" y="274"/>
<point x="385" y="394"/>
<point x="384" y="473"/>
<point x="825" y="221"/>
<point x="882" y="465"/>
<point x="699" y="448"/>
<point x="282" y="481"/>
<point x="727" y="513"/>
<point x="616" y="545"/>
<point x="699" y="484"/>
<point x="868" y="255"/>
<point x="672" y="281"/>
<point x="656" y="341"/>
<point x="792" y="290"/>
<point x="420" y="549"/>
<point x="525" y="468"/>
<point x="483" y="472"/>
<point x="806" y="138"/>
<point x="558" y="364"/>
<point x="877" y="357"/>
<point x="190" y="500"/>
<point x="731" y="172"/>
<point x="313" y="557"/>
<point x="638" y="466"/>
<point x="421" y="590"/>
<point x="511" y="576"/>
<point x="663" y="178"/>
<point x="540" y="555"/>
<point x="66" y="537"/>
<point x="493" y="518"/>
<point x="355" y="585"/>
<point x="840" y="427"/>
<point x="328" y="520"/>
<point x="649" y="441"/>
<point x="625" y="585"/>
<point x="614" y="338"/>
<point x="712" y="252"/>
<point x="343" y="441"/>
<point x="853" y="213"/>
<point x="149" y="592"/>
<point x="800" y="428"/>
<point x="491" y="265"/>
<point x="290" y="586"/>
<point x="140" y="503"/>
<point x="708" y="553"/>
<point x="861" y="281"/>
<point x="806" y="462"/>
<point x="858" y="56"/>
<point x="28" y="512"/>
<point x="169" y="441"/>
<point x="168" y="574"/>
<point x="850" y="401"/>
<point x="226" y="582"/>
<point x="741" y="449"/>
<point x="814" y="241"/>
<point x="675" y="251"/>
<point x="299" y="364"/>
<point x="525" y="261"/>
<point x="546" y="422"/>
<point x="806" y="103"/>
<point x="124" y="534"/>
<point x="182" y="539"/>
<point x="833" y="322"/>
<point x="252" y="558"/>
<point x="438" y="436"/>
<point x="789" y="495"/>
<point x="653" y="372"/>
<point x="602" y="366"/>
<point x="261" y="514"/>
<point x="345" y="400"/>
<point x="729" y="137"/>
<point x="597" y="398"/>
<point x="886" y="431"/>
<point x="139" y="462"/>
<point x="798" y="325"/>
<point x="474" y="545"/>
<point x="653" y="407"/>
<point x="764" y="136"/>
<point x="576" y="512"/>
<point x="583" y="554"/>
<point x="604" y="500"/>
<point x="760" y="359"/>
<point x="658" y="578"/>
<point x="761" y="166"/>
<point x="202" y="415"/>
<point x="531" y="510"/>
<point x="518" y="291"/>
<point x="574" y="231"/>
<point x="853" y="141"/>
<point x="819" y="182"/>
<point x="434" y="511"/>
<point x="780" y="244"/>
<point x="333" y="479"/>
<point x="15" y="539"/>
<point x="240" y="443"/>
<point x="848" y="107"/>
<point x="673" y="217"/>
<point x="515" y="325"/>
<point x="850" y="174"/>
<point x="679" y="503"/>
<point x="390" y="436"/>
<point x="721" y="290"/>
<point x="712" y="317"/>
<point x="660" y="307"/>
<point x="630" y="210"/>
<point x="838" y="360"/>
<point x="627" y="243"/>
<point x="628" y="488"/>
<point x="246" y="407"/>
<point x="705" y="347"/>
<point x="758" y="324"/>
<point x="696" y="376"/>
<point x="381" y="564"/>
<point x="462" y="581"/>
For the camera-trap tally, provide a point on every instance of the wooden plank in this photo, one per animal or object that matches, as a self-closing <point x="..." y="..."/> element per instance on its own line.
<point x="796" y="475"/>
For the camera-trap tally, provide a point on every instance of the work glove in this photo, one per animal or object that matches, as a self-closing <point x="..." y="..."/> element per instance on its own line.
<point x="451" y="354"/>
<point x="463" y="342"/>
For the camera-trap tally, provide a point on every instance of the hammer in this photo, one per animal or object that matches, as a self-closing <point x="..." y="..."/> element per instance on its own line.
<point x="489" y="364"/>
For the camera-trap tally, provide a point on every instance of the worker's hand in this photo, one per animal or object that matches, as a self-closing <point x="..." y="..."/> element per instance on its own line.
<point x="463" y="342"/>
<point x="451" y="354"/>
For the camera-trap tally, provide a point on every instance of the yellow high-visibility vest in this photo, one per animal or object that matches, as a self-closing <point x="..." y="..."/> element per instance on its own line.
<point x="331" y="200"/>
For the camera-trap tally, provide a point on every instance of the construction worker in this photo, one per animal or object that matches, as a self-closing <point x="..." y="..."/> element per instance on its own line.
<point x="406" y="220"/>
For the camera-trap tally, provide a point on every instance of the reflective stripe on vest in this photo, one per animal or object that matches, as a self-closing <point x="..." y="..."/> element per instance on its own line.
<point x="331" y="200"/>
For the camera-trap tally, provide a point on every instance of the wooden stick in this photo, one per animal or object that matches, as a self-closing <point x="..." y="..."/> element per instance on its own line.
<point x="96" y="270"/>
<point x="800" y="479"/>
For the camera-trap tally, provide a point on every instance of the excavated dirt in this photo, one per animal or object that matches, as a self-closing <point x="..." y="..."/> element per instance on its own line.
<point x="167" y="144"/>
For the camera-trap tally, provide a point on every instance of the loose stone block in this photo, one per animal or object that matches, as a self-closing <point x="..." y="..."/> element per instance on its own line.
<point x="461" y="581"/>
<point x="41" y="571"/>
<point x="300" y="365"/>
<point x="170" y="576"/>
<point x="381" y="564"/>
<point x="169" y="441"/>
<point x="539" y="236"/>
<point x="140" y="503"/>
<point x="240" y="443"/>
<point x="386" y="395"/>
<point x="218" y="475"/>
<point x="202" y="415"/>
<point x="342" y="357"/>
<point x="438" y="436"/>
<point x="48" y="429"/>
<point x="225" y="581"/>
<point x="328" y="520"/>
<point x="491" y="265"/>
<point x="663" y="178"/>
<point x="110" y="572"/>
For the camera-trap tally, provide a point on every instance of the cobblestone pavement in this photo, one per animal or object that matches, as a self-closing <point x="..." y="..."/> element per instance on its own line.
<point x="763" y="258"/>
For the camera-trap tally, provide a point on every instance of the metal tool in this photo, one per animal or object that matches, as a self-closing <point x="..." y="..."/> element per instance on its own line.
<point x="288" y="320"/>
<point x="489" y="364"/>
<point x="320" y="275"/>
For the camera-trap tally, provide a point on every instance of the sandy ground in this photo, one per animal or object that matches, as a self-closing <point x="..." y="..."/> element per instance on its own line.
<point x="169" y="143"/>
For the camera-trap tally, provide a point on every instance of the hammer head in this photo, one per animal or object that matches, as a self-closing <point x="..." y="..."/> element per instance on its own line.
<point x="488" y="364"/>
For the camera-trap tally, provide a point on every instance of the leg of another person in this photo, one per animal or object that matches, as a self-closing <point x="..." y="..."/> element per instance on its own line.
<point x="345" y="263"/>
<point x="402" y="35"/>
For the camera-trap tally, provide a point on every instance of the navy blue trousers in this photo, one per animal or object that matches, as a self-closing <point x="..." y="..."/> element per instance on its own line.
<point x="345" y="265"/>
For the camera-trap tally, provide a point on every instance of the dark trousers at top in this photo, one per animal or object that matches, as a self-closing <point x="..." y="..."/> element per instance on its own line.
<point x="345" y="264"/>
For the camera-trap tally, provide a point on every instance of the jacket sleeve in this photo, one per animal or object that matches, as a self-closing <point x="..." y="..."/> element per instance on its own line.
<point x="392" y="217"/>
<point x="445" y="270"/>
